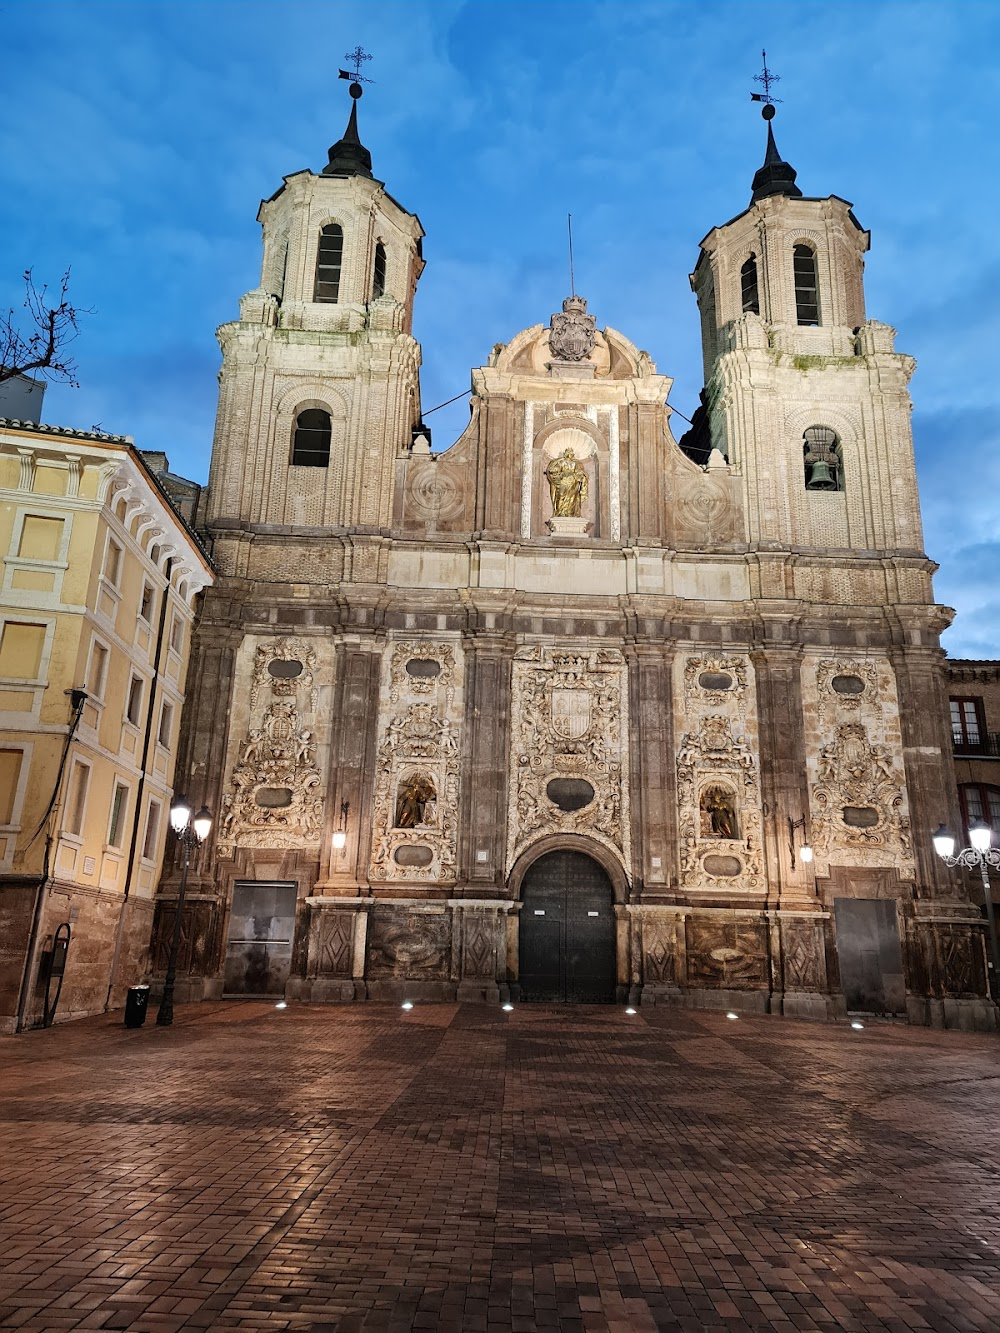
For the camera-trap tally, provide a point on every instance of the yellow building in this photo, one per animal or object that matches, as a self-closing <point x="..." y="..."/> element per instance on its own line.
<point x="100" y="577"/>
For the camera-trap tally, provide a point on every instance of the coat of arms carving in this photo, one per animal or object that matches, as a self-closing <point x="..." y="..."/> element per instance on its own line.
<point x="573" y="333"/>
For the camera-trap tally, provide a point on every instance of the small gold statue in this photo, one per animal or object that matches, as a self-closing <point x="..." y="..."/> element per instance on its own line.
<point x="567" y="485"/>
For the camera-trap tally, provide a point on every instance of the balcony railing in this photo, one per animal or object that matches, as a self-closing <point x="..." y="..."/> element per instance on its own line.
<point x="988" y="747"/>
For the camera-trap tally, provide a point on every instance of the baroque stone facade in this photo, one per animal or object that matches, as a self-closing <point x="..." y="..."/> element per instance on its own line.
<point x="427" y="684"/>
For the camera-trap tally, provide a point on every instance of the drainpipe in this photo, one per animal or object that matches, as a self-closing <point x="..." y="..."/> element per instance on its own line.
<point x="79" y="698"/>
<point x="137" y="813"/>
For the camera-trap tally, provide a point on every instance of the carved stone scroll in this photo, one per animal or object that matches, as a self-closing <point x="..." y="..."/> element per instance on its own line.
<point x="417" y="766"/>
<point x="570" y="720"/>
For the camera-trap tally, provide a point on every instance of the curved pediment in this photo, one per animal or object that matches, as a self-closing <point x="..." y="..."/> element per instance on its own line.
<point x="613" y="356"/>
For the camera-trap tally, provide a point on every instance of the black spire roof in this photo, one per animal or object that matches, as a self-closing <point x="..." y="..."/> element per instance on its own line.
<point x="349" y="156"/>
<point x="775" y="176"/>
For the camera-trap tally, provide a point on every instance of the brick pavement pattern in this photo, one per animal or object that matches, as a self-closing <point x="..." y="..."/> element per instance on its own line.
<point x="458" y="1168"/>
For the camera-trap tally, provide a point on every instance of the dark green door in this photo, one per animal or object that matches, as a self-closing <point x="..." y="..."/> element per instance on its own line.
<point x="567" y="931"/>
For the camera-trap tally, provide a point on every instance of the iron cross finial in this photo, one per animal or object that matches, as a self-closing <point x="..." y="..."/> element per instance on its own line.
<point x="357" y="58"/>
<point x="768" y="79"/>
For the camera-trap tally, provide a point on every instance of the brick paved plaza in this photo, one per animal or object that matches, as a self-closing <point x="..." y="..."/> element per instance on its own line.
<point x="458" y="1168"/>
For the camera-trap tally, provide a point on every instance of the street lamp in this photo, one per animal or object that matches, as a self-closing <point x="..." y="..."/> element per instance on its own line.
<point x="190" y="833"/>
<point x="979" y="856"/>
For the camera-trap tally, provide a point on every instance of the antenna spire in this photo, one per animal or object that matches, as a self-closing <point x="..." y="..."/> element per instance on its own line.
<point x="572" y="276"/>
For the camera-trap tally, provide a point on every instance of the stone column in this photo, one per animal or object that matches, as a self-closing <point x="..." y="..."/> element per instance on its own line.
<point x="485" y="756"/>
<point x="351" y="775"/>
<point x="784" y="792"/>
<point x="654" y="773"/>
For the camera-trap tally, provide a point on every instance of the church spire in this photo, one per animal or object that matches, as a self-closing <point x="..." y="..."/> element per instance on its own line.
<point x="349" y="156"/>
<point x="776" y="176"/>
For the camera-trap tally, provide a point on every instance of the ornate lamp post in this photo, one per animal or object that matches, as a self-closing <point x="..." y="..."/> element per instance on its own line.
<point x="980" y="855"/>
<point x="192" y="833"/>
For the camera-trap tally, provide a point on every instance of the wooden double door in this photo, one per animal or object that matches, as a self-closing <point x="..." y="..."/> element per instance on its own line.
<point x="567" y="947"/>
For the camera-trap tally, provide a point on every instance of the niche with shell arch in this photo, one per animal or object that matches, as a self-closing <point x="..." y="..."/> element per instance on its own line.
<point x="577" y="435"/>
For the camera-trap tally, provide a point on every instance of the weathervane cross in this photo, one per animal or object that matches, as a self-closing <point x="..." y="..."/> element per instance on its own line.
<point x="768" y="79"/>
<point x="357" y="58"/>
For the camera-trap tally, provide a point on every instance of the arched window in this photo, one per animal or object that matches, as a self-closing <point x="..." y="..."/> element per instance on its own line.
<point x="979" y="801"/>
<point x="378" y="276"/>
<point x="328" y="262"/>
<point x="311" y="438"/>
<point x="748" y="286"/>
<point x="806" y="285"/>
<point x="823" y="459"/>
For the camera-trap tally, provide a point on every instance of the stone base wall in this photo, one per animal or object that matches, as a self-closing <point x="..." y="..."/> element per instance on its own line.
<point x="94" y="918"/>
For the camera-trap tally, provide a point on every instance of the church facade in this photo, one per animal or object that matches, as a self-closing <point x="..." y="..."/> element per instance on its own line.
<point x="570" y="710"/>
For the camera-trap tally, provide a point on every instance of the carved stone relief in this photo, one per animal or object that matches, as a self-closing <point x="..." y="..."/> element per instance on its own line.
<point x="718" y="783"/>
<point x="804" y="962"/>
<point x="659" y="949"/>
<point x="570" y="720"/>
<point x="417" y="765"/>
<point x="331" y="952"/>
<point x="730" y="955"/>
<point x="274" y="667"/>
<point x="859" y="813"/>
<point x="408" y="944"/>
<point x="274" y="798"/>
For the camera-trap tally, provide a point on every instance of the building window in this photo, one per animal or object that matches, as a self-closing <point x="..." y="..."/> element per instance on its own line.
<point x="148" y="603"/>
<point x="133" y="707"/>
<point x="823" y="459"/>
<point x="113" y="563"/>
<point x="21" y="650"/>
<point x="166" y="724"/>
<point x="806" y="285"/>
<point x="980" y="802"/>
<point x="311" y="439"/>
<point x="328" y="262"/>
<point x="967" y="723"/>
<point x="10" y="776"/>
<point x="378" y="275"/>
<point x="97" y="673"/>
<point x="748" y="286"/>
<point x="41" y="538"/>
<point x="152" y="831"/>
<point x="76" y="805"/>
<point x="119" y="808"/>
<point x="177" y="634"/>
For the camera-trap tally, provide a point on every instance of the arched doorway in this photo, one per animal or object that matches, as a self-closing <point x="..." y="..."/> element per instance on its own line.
<point x="567" y="931"/>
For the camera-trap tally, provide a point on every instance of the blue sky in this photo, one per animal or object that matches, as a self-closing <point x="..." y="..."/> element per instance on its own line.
<point x="137" y="139"/>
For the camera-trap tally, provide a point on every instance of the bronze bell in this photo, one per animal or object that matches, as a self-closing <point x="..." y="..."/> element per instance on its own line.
<point x="821" y="478"/>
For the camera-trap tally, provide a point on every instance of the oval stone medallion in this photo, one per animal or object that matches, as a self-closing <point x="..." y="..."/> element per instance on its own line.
<point x="848" y="685"/>
<point x="860" y="816"/>
<point x="411" y="854"/>
<point x="715" y="680"/>
<point x="284" y="668"/>
<point x="423" y="668"/>
<point x="724" y="866"/>
<point x="273" y="798"/>
<point x="570" y="794"/>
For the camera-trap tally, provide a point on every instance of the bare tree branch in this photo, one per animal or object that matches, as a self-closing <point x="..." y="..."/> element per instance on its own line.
<point x="40" y="344"/>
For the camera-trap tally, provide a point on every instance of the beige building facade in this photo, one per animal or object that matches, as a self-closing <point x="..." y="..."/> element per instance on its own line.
<point x="100" y="578"/>
<point x="553" y="713"/>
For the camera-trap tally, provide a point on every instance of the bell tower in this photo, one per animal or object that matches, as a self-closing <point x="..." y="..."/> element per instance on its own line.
<point x="806" y="398"/>
<point x="319" y="387"/>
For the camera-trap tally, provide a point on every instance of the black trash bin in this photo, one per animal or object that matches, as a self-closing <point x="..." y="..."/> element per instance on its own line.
<point x="135" y="1006"/>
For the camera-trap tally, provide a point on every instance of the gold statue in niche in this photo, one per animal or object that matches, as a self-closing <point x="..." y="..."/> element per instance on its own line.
<point x="567" y="485"/>
<point x="718" y="814"/>
<point x="415" y="802"/>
